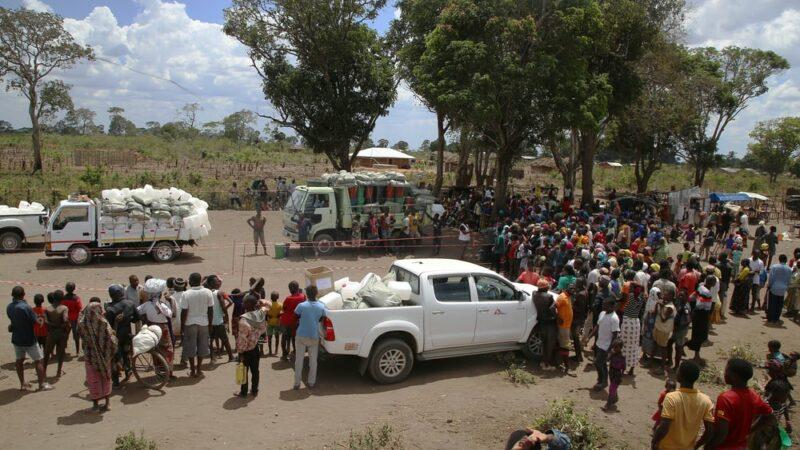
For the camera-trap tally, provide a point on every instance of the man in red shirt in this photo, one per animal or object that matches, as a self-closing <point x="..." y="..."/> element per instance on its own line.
<point x="739" y="410"/>
<point x="528" y="276"/>
<point x="288" y="320"/>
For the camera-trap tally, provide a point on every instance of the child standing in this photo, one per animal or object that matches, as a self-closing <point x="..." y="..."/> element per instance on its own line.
<point x="776" y="394"/>
<point x="616" y="367"/>
<point x="39" y="327"/>
<point x="669" y="386"/>
<point x="273" y="322"/>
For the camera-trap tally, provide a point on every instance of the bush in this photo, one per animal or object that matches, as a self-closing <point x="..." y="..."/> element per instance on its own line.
<point x="384" y="438"/>
<point x="130" y="441"/>
<point x="744" y="352"/>
<point x="711" y="374"/>
<point x="517" y="373"/>
<point x="561" y="414"/>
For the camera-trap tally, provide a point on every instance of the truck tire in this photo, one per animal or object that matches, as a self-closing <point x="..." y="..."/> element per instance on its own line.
<point x="163" y="252"/>
<point x="533" y="346"/>
<point x="79" y="255"/>
<point x="10" y="241"/>
<point x="324" y="244"/>
<point x="391" y="361"/>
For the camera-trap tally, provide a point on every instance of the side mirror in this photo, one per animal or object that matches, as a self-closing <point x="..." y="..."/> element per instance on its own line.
<point x="519" y="295"/>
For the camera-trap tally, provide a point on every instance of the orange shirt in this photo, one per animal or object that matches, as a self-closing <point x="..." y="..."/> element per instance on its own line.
<point x="564" y="310"/>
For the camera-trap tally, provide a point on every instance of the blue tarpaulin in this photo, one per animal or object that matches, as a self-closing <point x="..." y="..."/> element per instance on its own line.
<point x="719" y="197"/>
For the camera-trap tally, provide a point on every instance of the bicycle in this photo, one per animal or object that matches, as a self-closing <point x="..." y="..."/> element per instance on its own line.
<point x="151" y="369"/>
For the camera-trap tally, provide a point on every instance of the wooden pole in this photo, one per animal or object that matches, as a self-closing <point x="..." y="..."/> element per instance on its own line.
<point x="244" y="250"/>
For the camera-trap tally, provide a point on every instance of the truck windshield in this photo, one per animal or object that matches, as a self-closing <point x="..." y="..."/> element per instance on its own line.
<point x="398" y="274"/>
<point x="295" y="203"/>
<point x="70" y="214"/>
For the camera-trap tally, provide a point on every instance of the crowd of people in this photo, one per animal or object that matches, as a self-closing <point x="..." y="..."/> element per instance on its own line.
<point x="194" y="314"/>
<point x="603" y="276"/>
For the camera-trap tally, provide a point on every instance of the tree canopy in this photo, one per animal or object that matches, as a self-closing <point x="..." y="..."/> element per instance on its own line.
<point x="775" y="146"/>
<point x="33" y="45"/>
<point x="327" y="74"/>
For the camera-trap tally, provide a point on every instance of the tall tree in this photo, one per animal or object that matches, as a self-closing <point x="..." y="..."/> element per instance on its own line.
<point x="119" y="125"/>
<point x="6" y="127"/>
<point x="725" y="82"/>
<point x="383" y="143"/>
<point x="33" y="45"/>
<point x="401" y="145"/>
<point x="328" y="75"/>
<point x="776" y="143"/>
<point x="188" y="114"/>
<point x="81" y="120"/>
<point x="648" y="130"/>
<point x="409" y="33"/>
<point x="238" y="126"/>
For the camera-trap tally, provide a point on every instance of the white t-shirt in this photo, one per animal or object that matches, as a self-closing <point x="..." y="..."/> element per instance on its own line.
<point x="744" y="221"/>
<point x="196" y="301"/>
<point x="593" y="277"/>
<point x="756" y="266"/>
<point x="642" y="279"/>
<point x="155" y="313"/>
<point x="607" y="325"/>
<point x="463" y="235"/>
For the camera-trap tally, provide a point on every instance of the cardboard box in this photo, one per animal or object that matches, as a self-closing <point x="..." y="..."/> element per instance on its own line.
<point x="322" y="278"/>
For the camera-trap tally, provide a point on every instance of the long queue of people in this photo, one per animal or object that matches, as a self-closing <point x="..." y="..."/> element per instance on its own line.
<point x="194" y="314"/>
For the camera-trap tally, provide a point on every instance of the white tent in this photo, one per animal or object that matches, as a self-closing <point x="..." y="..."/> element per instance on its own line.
<point x="383" y="152"/>
<point x="680" y="204"/>
<point x="755" y="196"/>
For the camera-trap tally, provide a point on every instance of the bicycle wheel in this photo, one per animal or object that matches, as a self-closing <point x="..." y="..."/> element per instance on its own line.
<point x="151" y="369"/>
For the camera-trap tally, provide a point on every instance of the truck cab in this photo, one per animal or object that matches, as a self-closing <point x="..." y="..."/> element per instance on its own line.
<point x="320" y="205"/>
<point x="73" y="224"/>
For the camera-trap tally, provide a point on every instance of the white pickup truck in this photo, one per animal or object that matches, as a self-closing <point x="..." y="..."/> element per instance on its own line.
<point x="456" y="309"/>
<point x="18" y="227"/>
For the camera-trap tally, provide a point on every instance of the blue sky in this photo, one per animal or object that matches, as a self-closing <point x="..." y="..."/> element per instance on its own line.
<point x="181" y="40"/>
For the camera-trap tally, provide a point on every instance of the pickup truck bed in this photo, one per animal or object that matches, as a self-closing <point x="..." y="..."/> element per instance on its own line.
<point x="356" y="329"/>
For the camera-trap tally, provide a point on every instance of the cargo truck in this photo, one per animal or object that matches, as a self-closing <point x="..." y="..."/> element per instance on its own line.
<point x="331" y="203"/>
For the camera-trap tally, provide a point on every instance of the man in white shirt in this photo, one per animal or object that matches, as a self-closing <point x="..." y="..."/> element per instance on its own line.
<point x="607" y="329"/>
<point x="197" y="310"/>
<point x="756" y="266"/>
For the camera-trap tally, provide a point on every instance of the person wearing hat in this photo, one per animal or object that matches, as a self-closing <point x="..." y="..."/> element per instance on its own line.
<point x="157" y="312"/>
<point x="121" y="314"/>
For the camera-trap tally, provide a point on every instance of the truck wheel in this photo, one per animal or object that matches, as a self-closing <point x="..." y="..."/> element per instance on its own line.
<point x="391" y="361"/>
<point x="324" y="244"/>
<point x="533" y="346"/>
<point x="163" y="252"/>
<point x="10" y="241"/>
<point x="79" y="255"/>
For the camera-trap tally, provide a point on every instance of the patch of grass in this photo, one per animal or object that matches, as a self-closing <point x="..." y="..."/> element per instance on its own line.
<point x="583" y="433"/>
<point x="383" y="438"/>
<point x="130" y="441"/>
<point x="711" y="374"/>
<point x="744" y="352"/>
<point x="518" y="374"/>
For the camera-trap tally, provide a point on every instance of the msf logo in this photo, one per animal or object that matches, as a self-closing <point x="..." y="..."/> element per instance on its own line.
<point x="499" y="312"/>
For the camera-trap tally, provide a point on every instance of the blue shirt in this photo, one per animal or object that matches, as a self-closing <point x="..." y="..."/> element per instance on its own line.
<point x="309" y="312"/>
<point x="779" y="277"/>
<point x="22" y="319"/>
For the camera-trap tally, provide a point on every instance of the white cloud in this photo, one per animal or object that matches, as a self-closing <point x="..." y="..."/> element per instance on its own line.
<point x="36" y="5"/>
<point x="766" y="24"/>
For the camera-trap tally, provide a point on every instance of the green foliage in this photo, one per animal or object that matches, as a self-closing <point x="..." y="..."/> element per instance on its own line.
<point x="583" y="433"/>
<point x="237" y="126"/>
<point x="121" y="126"/>
<point x="324" y="70"/>
<point x="518" y="374"/>
<point x="130" y="441"/>
<point x="776" y="143"/>
<point x="384" y="438"/>
<point x="741" y="351"/>
<point x="93" y="176"/>
<point x="712" y="375"/>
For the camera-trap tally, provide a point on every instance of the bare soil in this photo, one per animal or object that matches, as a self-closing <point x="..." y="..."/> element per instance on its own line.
<point x="464" y="402"/>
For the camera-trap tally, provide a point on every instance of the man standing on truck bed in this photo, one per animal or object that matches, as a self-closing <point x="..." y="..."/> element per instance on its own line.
<point x="257" y="223"/>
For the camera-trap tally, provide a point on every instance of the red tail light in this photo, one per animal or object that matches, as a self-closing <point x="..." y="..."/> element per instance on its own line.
<point x="330" y="335"/>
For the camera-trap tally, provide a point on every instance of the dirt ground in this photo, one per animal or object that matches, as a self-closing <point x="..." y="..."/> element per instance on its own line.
<point x="465" y="402"/>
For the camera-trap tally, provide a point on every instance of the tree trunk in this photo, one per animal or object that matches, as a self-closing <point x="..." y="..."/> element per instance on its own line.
<point x="36" y="131"/>
<point x="588" y="150"/>
<point x="437" y="186"/>
<point x="504" y="160"/>
<point x="478" y="166"/>
<point x="463" y="172"/>
<point x="699" y="175"/>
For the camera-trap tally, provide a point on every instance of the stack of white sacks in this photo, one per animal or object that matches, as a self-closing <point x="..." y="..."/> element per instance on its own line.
<point x="23" y="208"/>
<point x="370" y="292"/>
<point x="171" y="205"/>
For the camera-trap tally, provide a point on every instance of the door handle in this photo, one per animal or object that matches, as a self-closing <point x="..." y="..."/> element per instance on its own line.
<point x="437" y="313"/>
<point x="85" y="234"/>
<point x="483" y="310"/>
